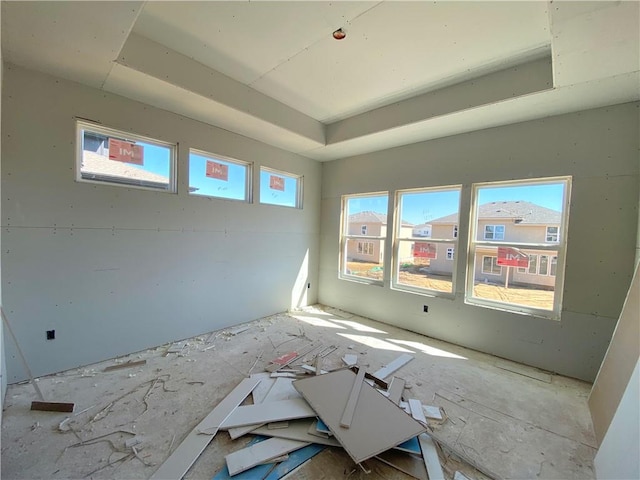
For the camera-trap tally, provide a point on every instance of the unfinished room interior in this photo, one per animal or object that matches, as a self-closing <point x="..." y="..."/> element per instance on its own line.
<point x="320" y="240"/>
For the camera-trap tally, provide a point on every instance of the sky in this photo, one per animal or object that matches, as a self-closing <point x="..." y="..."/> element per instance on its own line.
<point x="422" y="207"/>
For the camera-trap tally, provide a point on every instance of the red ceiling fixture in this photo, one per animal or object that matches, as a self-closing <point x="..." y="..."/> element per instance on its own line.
<point x="339" y="34"/>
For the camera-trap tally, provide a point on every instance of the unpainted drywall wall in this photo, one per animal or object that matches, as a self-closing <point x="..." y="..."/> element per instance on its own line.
<point x="598" y="148"/>
<point x="618" y="364"/>
<point x="114" y="270"/>
<point x="617" y="457"/>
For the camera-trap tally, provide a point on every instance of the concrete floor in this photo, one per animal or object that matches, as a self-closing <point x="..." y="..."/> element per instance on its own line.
<point x="509" y="424"/>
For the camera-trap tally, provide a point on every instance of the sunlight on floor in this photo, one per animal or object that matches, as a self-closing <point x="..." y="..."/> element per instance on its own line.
<point x="374" y="342"/>
<point x="436" y="352"/>
<point x="317" y="322"/>
<point x="358" y="326"/>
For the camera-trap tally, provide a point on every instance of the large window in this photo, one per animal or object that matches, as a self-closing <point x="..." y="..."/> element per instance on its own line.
<point x="215" y="176"/>
<point x="119" y="158"/>
<point x="425" y="240"/>
<point x="517" y="248"/>
<point x="363" y="234"/>
<point x="280" y="188"/>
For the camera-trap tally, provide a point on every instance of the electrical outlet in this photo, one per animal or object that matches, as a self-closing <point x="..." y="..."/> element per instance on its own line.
<point x="425" y="308"/>
<point x="51" y="334"/>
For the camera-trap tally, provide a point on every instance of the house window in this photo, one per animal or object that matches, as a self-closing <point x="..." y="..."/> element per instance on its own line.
<point x="114" y="157"/>
<point x="425" y="238"/>
<point x="528" y="211"/>
<point x="455" y="231"/>
<point x="220" y="177"/>
<point x="365" y="248"/>
<point x="494" y="232"/>
<point x="362" y="237"/>
<point x="490" y="266"/>
<point x="280" y="188"/>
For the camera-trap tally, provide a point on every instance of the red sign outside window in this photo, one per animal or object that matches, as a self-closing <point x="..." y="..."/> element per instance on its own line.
<point x="276" y="183"/>
<point x="128" y="152"/>
<point x="424" y="250"/>
<point x="512" y="257"/>
<point x="217" y="170"/>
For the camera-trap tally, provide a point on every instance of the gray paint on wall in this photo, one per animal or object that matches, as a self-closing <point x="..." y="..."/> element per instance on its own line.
<point x="599" y="148"/>
<point x="115" y="270"/>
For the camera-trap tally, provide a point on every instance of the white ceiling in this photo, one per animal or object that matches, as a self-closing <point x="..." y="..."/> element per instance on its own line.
<point x="406" y="72"/>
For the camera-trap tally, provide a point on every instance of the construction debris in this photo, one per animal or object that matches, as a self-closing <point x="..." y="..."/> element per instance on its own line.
<point x="118" y="366"/>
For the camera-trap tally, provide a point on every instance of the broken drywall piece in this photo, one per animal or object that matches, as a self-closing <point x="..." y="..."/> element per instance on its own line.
<point x="432" y="412"/>
<point x="311" y="369"/>
<point x="350" y="408"/>
<point x="283" y="375"/>
<point x="430" y="456"/>
<point x="277" y="425"/>
<point x="393" y="366"/>
<point x="416" y="410"/>
<point x="396" y="387"/>
<point x="193" y="445"/>
<point x="322" y="427"/>
<point x="377" y="424"/>
<point x="298" y="430"/>
<point x="350" y="359"/>
<point x="268" y="412"/>
<point x="237" y="330"/>
<point x="261" y="452"/>
<point x="124" y="365"/>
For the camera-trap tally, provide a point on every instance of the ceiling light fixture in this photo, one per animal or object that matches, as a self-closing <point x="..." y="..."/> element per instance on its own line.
<point x="339" y="34"/>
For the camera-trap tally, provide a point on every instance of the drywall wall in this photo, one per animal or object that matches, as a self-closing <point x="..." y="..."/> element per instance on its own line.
<point x="599" y="148"/>
<point x="618" y="364"/>
<point x="617" y="457"/>
<point x="115" y="270"/>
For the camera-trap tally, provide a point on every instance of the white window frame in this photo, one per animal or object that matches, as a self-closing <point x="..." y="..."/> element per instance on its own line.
<point x="450" y="253"/>
<point x="299" y="187"/>
<point x="345" y="237"/>
<point x="398" y="240"/>
<point x="493" y="233"/>
<point x="366" y="248"/>
<point x="248" y="180"/>
<point x="554" y="236"/>
<point x="82" y="125"/>
<point x="494" y="265"/>
<point x="552" y="247"/>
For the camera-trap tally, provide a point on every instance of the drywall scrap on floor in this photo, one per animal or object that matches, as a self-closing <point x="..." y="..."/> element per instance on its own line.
<point x="131" y="421"/>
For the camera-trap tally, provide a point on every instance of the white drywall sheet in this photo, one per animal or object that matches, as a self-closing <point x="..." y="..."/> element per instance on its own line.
<point x="298" y="430"/>
<point x="260" y="453"/>
<point x="269" y="412"/>
<point x="378" y="424"/>
<point x="430" y="456"/>
<point x="395" y="365"/>
<point x="191" y="447"/>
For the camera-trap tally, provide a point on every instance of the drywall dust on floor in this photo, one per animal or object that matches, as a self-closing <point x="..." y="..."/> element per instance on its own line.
<point x="512" y="425"/>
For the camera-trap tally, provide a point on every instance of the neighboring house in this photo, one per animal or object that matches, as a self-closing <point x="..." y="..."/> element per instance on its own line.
<point x="372" y="224"/>
<point x="423" y="230"/>
<point x="510" y="221"/>
<point x="98" y="167"/>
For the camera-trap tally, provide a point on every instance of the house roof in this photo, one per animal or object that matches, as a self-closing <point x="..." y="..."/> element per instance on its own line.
<point x="526" y="212"/>
<point x="96" y="165"/>
<point x="369" y="216"/>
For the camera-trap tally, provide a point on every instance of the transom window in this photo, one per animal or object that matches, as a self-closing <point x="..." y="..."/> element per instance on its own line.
<point x="280" y="188"/>
<point x="525" y="272"/>
<point x="114" y="157"/>
<point x="217" y="176"/>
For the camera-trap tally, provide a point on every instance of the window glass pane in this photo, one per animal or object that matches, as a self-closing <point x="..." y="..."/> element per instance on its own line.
<point x="124" y="159"/>
<point x="367" y="215"/>
<point x="364" y="258"/>
<point x="525" y="216"/>
<point x="280" y="188"/>
<point x="214" y="177"/>
<point x="429" y="214"/>
<point x="420" y="266"/>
